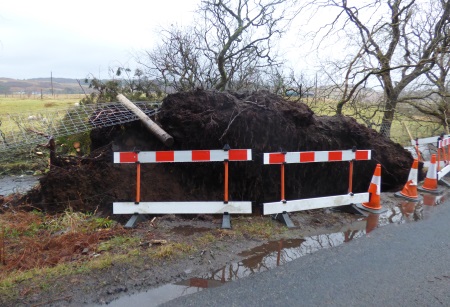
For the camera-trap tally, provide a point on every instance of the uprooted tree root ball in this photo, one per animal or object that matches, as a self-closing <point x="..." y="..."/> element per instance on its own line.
<point x="201" y="119"/>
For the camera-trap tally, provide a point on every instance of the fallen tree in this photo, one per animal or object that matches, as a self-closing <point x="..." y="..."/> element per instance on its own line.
<point x="209" y="120"/>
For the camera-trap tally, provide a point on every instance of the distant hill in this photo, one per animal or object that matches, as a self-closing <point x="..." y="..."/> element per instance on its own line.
<point x="36" y="85"/>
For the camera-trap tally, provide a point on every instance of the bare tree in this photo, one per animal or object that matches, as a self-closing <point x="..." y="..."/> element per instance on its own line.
<point x="397" y="42"/>
<point x="229" y="47"/>
<point x="433" y="99"/>
<point x="242" y="32"/>
<point x="178" y="61"/>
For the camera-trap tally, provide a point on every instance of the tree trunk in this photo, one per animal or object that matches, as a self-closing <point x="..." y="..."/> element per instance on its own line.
<point x="339" y="107"/>
<point x="388" y="117"/>
<point x="151" y="125"/>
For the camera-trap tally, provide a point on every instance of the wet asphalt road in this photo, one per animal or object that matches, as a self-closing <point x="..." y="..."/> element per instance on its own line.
<point x="396" y="265"/>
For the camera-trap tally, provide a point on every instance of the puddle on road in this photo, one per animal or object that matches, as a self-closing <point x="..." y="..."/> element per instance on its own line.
<point x="276" y="253"/>
<point x="407" y="211"/>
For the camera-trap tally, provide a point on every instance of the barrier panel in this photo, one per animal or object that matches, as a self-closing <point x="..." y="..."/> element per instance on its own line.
<point x="442" y="144"/>
<point x="443" y="156"/>
<point x="433" y="140"/>
<point x="282" y="158"/>
<point x="224" y="207"/>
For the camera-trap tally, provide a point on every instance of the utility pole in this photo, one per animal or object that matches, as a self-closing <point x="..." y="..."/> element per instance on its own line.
<point x="51" y="81"/>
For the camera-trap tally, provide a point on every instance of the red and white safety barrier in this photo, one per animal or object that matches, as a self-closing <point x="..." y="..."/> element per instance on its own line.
<point x="316" y="156"/>
<point x="282" y="158"/>
<point x="183" y="156"/>
<point x="441" y="142"/>
<point x="213" y="207"/>
<point x="443" y="157"/>
<point x="429" y="140"/>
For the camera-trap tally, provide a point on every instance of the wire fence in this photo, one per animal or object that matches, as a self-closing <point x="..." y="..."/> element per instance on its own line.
<point x="22" y="131"/>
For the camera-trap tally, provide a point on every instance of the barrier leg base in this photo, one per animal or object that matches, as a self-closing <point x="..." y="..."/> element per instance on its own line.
<point x="226" y="221"/>
<point x="350" y="209"/>
<point x="134" y="219"/>
<point x="284" y="218"/>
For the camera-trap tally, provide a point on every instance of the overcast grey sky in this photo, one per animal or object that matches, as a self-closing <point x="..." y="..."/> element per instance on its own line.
<point x="75" y="38"/>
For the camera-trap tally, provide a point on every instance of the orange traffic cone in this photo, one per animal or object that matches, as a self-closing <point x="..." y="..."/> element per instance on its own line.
<point x="374" y="205"/>
<point x="410" y="189"/>
<point x="430" y="184"/>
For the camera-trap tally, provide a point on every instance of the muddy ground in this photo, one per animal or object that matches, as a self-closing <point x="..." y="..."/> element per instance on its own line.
<point x="122" y="278"/>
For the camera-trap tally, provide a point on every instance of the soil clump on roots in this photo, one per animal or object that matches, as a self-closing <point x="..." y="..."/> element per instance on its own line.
<point x="202" y="119"/>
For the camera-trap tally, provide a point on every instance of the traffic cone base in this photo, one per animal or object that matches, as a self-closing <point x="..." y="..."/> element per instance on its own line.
<point x="409" y="191"/>
<point x="430" y="184"/>
<point x="414" y="199"/>
<point x="436" y="191"/>
<point x="365" y="207"/>
<point x="373" y="205"/>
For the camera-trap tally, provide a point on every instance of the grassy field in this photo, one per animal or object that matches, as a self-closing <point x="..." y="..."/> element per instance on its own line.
<point x="21" y="104"/>
<point x="14" y="111"/>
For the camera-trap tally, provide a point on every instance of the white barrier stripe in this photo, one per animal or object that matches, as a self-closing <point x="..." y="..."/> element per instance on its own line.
<point x="291" y="157"/>
<point x="321" y="156"/>
<point x="218" y="155"/>
<point x="429" y="140"/>
<point x="314" y="203"/>
<point x="147" y="157"/>
<point x="316" y="156"/>
<point x="117" y="157"/>
<point x="194" y="207"/>
<point x="443" y="172"/>
<point x="182" y="156"/>
<point x="348" y="155"/>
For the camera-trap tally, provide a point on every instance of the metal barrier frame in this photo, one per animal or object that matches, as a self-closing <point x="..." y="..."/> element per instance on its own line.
<point x="224" y="207"/>
<point x="280" y="208"/>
